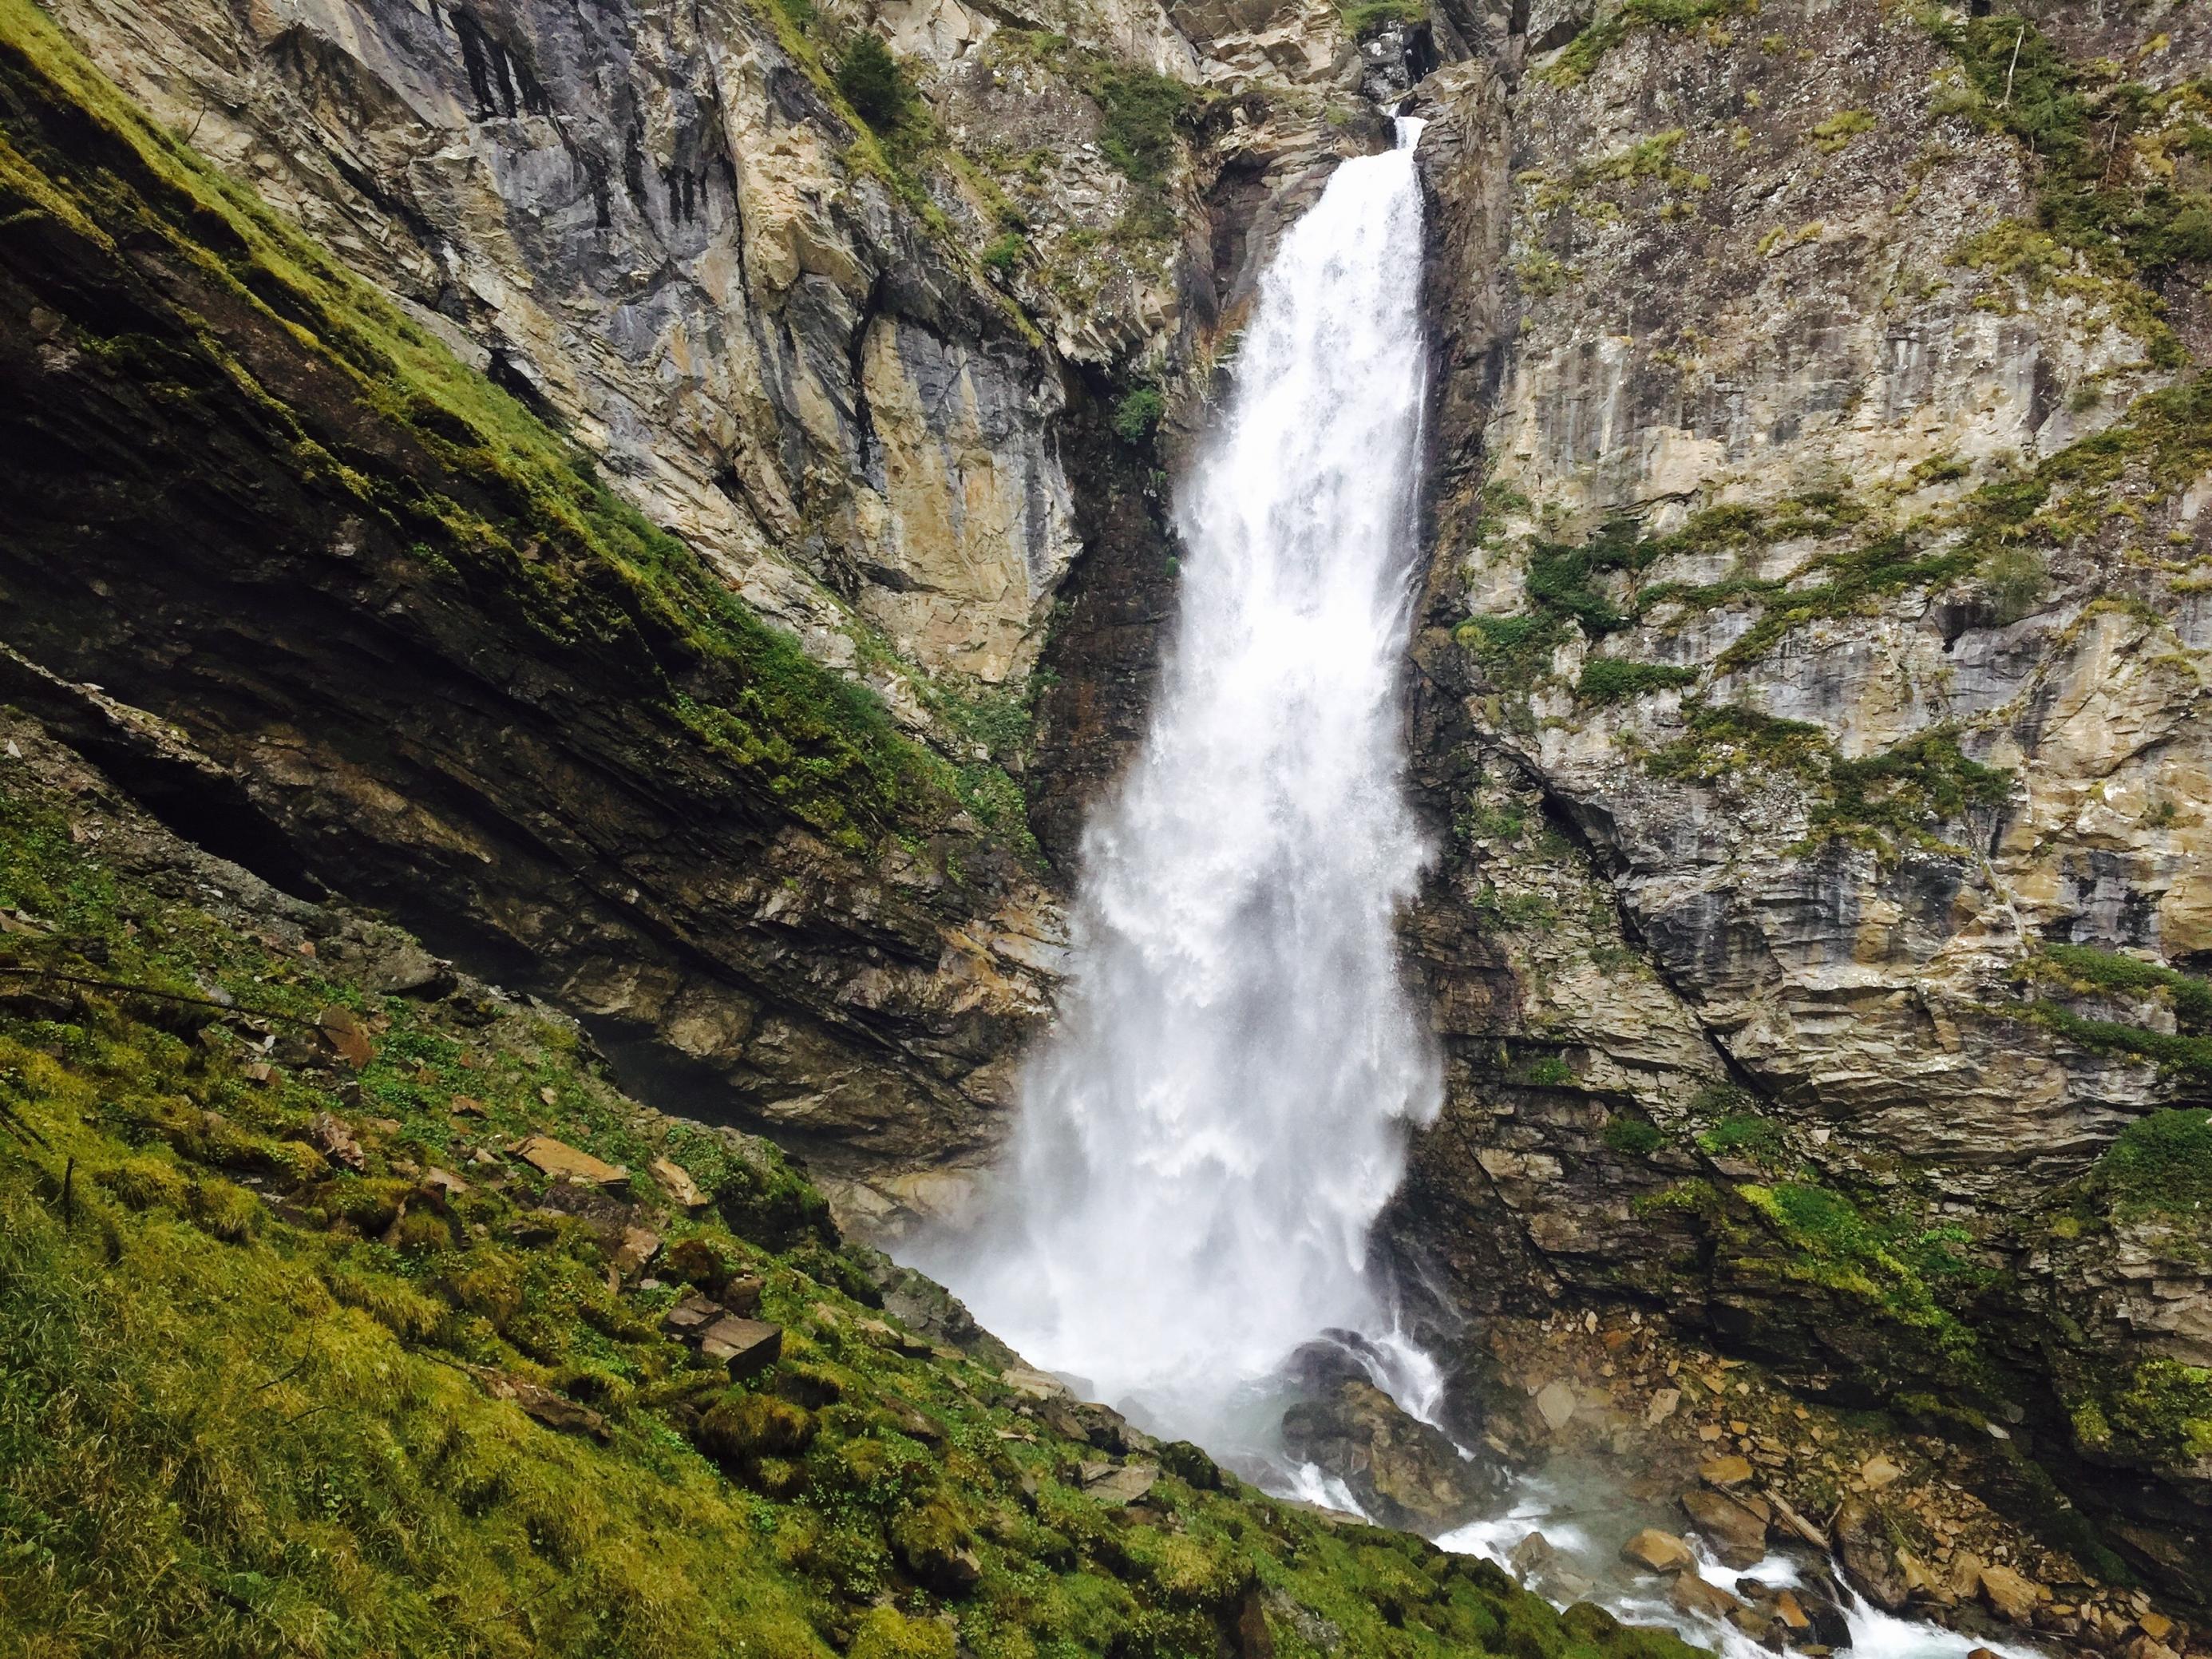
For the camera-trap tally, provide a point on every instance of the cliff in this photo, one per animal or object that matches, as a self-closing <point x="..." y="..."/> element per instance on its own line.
<point x="1808" y="709"/>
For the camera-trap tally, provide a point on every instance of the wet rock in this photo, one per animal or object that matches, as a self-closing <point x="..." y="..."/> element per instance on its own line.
<point x="1737" y="1534"/>
<point x="1690" y="1594"/>
<point x="1403" y="1472"/>
<point x="1531" y="1555"/>
<point x="1557" y="1403"/>
<point x="1659" y="1551"/>
<point x="1863" y="1546"/>
<point x="1725" y="1472"/>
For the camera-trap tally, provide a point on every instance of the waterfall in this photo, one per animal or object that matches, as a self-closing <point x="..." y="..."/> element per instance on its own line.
<point x="1209" y="1134"/>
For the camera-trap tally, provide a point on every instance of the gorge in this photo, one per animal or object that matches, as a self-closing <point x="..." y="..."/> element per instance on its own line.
<point x="1572" y="748"/>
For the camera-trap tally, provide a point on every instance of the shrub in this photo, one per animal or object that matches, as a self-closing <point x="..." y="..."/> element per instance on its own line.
<point x="1006" y="254"/>
<point x="1631" y="1137"/>
<point x="1138" y="414"/>
<point x="871" y="82"/>
<point x="1614" y="679"/>
<point x="1141" y="109"/>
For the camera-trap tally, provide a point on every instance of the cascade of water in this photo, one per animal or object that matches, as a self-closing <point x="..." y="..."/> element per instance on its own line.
<point x="1212" y="1128"/>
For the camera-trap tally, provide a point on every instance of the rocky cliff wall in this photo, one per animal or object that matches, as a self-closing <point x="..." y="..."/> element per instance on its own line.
<point x="1809" y="706"/>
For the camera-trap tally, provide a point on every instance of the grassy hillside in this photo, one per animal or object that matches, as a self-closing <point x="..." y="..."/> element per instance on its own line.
<point x="257" y="1399"/>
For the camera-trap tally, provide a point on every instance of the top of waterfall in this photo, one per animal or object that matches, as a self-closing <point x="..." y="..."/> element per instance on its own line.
<point x="1407" y="130"/>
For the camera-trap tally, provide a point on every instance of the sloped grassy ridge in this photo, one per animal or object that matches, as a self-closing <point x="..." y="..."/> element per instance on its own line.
<point x="258" y="1402"/>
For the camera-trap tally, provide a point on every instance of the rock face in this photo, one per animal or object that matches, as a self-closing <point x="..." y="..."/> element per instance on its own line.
<point x="1807" y="704"/>
<point x="1404" y="1472"/>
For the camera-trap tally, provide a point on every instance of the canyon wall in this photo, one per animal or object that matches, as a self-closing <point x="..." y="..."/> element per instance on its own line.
<point x="1809" y="704"/>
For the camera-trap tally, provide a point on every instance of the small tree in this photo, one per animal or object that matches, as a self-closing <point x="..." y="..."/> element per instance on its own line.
<point x="873" y="83"/>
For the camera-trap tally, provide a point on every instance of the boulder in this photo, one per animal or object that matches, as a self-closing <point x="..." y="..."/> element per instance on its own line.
<point x="554" y="1411"/>
<point x="2011" y="1595"/>
<point x="1037" y="1385"/>
<point x="1690" y="1594"/>
<point x="639" y="1246"/>
<point x="690" y="1315"/>
<point x="1117" y="1484"/>
<point x="1661" y="1407"/>
<point x="1863" y="1546"/>
<point x="747" y="1347"/>
<point x="336" y="1142"/>
<point x="341" y="1031"/>
<point x="1556" y="1402"/>
<point x="677" y="1182"/>
<point x="1404" y="1472"/>
<point x="1737" y="1534"/>
<point x="1725" y="1472"/>
<point x="565" y="1162"/>
<point x="1659" y="1551"/>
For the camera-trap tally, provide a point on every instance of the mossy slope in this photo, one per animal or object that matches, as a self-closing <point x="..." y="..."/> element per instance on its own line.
<point x="260" y="1402"/>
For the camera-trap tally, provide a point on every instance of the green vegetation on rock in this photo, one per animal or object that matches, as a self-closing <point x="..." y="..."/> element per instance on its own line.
<point x="2104" y="147"/>
<point x="1582" y="54"/>
<point x="2162" y="1164"/>
<point x="873" y="83"/>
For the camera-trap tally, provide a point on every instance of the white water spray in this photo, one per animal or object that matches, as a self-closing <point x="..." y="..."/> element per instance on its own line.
<point x="1211" y="1132"/>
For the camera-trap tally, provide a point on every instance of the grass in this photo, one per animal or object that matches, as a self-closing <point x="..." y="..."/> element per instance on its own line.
<point x="1579" y="59"/>
<point x="489" y="498"/>
<point x="1365" y="17"/>
<point x="1613" y="679"/>
<point x="253" y="1402"/>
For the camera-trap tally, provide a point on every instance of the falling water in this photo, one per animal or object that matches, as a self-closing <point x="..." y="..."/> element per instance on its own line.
<point x="1212" y="1130"/>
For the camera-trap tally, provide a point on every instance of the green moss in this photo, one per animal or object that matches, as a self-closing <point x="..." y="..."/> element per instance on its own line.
<point x="2162" y="1164"/>
<point x="1005" y="253"/>
<point x="1143" y="110"/>
<point x="1580" y="56"/>
<point x="1614" y="679"/>
<point x="1365" y="17"/>
<point x="241" y="1422"/>
<point x="2160" y="1411"/>
<point x="2089" y="968"/>
<point x="1839" y="129"/>
<point x="2104" y="147"/>
<point x="1722" y="738"/>
<point x="2184" y="1055"/>
<point x="1909" y="791"/>
<point x="1890" y="1265"/>
<point x="874" y="83"/>
<point x="1138" y="414"/>
<point x="1746" y="1135"/>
